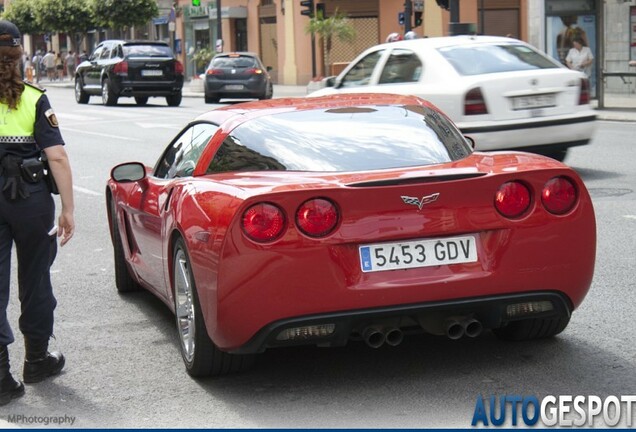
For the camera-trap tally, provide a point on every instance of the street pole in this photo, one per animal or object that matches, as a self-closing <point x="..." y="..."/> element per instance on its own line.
<point x="219" y="24"/>
<point x="408" y="12"/>
<point x="313" y="56"/>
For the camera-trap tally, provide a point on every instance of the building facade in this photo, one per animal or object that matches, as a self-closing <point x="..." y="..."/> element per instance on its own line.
<point x="276" y="30"/>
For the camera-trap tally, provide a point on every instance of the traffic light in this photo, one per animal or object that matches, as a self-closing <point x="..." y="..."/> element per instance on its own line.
<point x="309" y="8"/>
<point x="443" y="4"/>
<point x="418" y="18"/>
<point x="196" y="2"/>
<point x="320" y="10"/>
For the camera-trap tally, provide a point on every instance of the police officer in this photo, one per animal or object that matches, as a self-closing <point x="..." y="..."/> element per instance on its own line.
<point x="28" y="129"/>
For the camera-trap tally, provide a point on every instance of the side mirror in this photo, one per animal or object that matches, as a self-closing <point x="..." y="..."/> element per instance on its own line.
<point x="128" y="172"/>
<point x="269" y="68"/>
<point x="471" y="141"/>
<point x="330" y="81"/>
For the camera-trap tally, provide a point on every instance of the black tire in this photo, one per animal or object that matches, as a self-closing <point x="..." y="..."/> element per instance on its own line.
<point x="81" y="97"/>
<point x="174" y="100"/>
<point x="123" y="279"/>
<point x="141" y="100"/>
<point x="109" y="98"/>
<point x="530" y="329"/>
<point x="211" y="99"/>
<point x="269" y="92"/>
<point x="201" y="357"/>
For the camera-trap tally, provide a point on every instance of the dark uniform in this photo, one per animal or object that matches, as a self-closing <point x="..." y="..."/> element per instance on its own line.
<point x="27" y="213"/>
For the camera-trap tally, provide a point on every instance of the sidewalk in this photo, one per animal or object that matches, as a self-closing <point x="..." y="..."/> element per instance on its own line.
<point x="617" y="107"/>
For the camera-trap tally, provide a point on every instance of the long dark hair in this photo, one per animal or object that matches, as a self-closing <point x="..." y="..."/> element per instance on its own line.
<point x="11" y="84"/>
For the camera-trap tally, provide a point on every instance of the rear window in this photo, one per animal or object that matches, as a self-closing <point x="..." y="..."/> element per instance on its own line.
<point x="147" y="50"/>
<point x="358" y="139"/>
<point x="234" y="62"/>
<point x="495" y="58"/>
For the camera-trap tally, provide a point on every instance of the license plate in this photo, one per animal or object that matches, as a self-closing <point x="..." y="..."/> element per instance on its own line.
<point x="533" y="102"/>
<point x="151" y="72"/>
<point x="234" y="87"/>
<point x="418" y="253"/>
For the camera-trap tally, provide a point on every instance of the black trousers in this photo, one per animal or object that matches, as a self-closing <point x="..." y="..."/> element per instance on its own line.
<point x="27" y="222"/>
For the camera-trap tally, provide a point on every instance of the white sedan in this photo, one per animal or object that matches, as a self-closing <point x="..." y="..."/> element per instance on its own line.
<point x="501" y="92"/>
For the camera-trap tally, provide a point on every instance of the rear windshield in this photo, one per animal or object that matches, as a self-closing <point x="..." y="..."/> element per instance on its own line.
<point x="494" y="58"/>
<point x="342" y="139"/>
<point x="147" y="51"/>
<point x="234" y="62"/>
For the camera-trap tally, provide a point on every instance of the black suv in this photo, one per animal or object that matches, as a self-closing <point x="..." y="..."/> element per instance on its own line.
<point x="140" y="69"/>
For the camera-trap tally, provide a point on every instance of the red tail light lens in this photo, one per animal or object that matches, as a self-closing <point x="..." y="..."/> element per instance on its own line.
<point x="214" y="72"/>
<point x="254" y="71"/>
<point x="263" y="222"/>
<point x="317" y="217"/>
<point x="584" y="96"/>
<point x="121" y="68"/>
<point x="512" y="199"/>
<point x="559" y="195"/>
<point x="474" y="103"/>
<point x="178" y="68"/>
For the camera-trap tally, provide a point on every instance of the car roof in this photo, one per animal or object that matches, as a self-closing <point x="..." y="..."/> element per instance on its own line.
<point x="235" y="53"/>
<point x="447" y="41"/>
<point x="134" y="42"/>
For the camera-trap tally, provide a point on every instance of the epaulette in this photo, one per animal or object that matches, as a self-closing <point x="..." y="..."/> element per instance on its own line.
<point x="35" y="86"/>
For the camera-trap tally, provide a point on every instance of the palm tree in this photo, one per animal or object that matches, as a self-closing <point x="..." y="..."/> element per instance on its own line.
<point x="336" y="26"/>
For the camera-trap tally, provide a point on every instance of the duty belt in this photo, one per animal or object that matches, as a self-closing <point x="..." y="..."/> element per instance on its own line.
<point x="17" y="172"/>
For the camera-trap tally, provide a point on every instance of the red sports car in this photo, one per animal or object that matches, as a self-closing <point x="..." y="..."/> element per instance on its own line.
<point x="324" y="220"/>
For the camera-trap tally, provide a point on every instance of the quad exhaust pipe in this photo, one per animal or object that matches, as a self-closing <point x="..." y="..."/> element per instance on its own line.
<point x="454" y="327"/>
<point x="376" y="336"/>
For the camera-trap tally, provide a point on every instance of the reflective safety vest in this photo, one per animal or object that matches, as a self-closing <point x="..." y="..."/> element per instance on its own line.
<point x="17" y="125"/>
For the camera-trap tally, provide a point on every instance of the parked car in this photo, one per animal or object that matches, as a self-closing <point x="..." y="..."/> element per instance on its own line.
<point x="502" y="92"/>
<point x="139" y="69"/>
<point x="237" y="75"/>
<point x="319" y="221"/>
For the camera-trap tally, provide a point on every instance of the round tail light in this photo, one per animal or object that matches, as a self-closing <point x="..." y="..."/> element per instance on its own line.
<point x="317" y="217"/>
<point x="559" y="195"/>
<point x="263" y="222"/>
<point x="512" y="199"/>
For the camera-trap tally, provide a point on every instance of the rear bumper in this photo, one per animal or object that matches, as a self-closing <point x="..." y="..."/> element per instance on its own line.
<point x="251" y="89"/>
<point x="490" y="311"/>
<point x="137" y="88"/>
<point x="566" y="132"/>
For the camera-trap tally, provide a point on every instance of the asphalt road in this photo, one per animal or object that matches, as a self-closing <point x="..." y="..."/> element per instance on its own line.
<point x="123" y="364"/>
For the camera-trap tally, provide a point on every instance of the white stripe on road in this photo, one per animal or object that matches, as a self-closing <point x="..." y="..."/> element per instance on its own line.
<point x="86" y="191"/>
<point x="100" y="134"/>
<point x="629" y="216"/>
<point x="158" y="125"/>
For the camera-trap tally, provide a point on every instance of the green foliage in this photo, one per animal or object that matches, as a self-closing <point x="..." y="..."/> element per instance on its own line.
<point x="69" y="16"/>
<point x="118" y="14"/>
<point x="22" y="14"/>
<point x="336" y="26"/>
<point x="202" y="57"/>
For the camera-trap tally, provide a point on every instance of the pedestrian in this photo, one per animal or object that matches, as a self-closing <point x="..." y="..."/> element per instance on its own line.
<point x="26" y="64"/>
<point x="580" y="57"/>
<point x="37" y="61"/>
<point x="59" y="67"/>
<point x="49" y="65"/>
<point x="70" y="63"/>
<point x="27" y="216"/>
